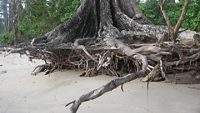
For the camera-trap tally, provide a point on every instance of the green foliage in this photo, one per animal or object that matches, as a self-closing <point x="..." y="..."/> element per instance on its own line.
<point x="151" y="10"/>
<point x="6" y="37"/>
<point x="68" y="9"/>
<point x="192" y="21"/>
<point x="40" y="16"/>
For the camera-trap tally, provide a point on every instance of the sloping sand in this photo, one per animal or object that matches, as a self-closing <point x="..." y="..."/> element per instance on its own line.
<point x="21" y="92"/>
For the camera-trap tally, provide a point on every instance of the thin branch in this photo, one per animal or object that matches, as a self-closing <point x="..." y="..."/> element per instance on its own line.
<point x="173" y="31"/>
<point x="169" y="25"/>
<point x="182" y="17"/>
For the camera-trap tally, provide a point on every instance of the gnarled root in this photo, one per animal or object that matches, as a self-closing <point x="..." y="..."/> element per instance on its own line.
<point x="110" y="85"/>
<point x="47" y="68"/>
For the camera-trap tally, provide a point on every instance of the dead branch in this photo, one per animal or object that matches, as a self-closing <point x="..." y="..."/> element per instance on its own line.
<point x="110" y="85"/>
<point x="155" y="72"/>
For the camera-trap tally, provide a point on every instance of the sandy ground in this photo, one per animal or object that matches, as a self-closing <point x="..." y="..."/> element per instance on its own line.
<point x="21" y="92"/>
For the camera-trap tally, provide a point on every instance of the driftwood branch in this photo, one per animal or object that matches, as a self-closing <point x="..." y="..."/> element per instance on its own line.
<point x="100" y="91"/>
<point x="110" y="85"/>
<point x="155" y="72"/>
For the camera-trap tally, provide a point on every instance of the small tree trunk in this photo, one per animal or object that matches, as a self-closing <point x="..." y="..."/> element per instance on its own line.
<point x="5" y="13"/>
<point x="173" y="31"/>
<point x="16" y="11"/>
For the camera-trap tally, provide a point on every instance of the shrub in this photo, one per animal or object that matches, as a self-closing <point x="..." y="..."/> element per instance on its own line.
<point x="6" y="38"/>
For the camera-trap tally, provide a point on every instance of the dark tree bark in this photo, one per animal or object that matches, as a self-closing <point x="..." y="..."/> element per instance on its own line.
<point x="11" y="15"/>
<point x="97" y="18"/>
<point x="15" y="7"/>
<point x="104" y="18"/>
<point x="172" y="1"/>
<point x="5" y="14"/>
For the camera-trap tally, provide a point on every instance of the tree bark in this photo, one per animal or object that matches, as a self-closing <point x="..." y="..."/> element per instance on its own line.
<point x="17" y="10"/>
<point x="5" y="14"/>
<point x="95" y="19"/>
<point x="105" y="18"/>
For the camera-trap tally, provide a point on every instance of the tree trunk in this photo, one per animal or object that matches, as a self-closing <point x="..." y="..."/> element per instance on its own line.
<point x="97" y="18"/>
<point x="15" y="7"/>
<point x="11" y="15"/>
<point x="172" y="1"/>
<point x="5" y="14"/>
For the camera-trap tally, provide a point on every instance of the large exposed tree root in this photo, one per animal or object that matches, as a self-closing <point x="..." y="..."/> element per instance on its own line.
<point x="113" y="37"/>
<point x="177" y="63"/>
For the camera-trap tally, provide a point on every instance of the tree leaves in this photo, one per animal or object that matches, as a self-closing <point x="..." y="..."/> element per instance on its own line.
<point x="192" y="21"/>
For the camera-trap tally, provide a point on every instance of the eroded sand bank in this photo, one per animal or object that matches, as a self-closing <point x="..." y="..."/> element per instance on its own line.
<point x="21" y="92"/>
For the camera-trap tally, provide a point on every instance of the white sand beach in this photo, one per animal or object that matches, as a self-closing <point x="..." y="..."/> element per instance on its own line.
<point x="20" y="92"/>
